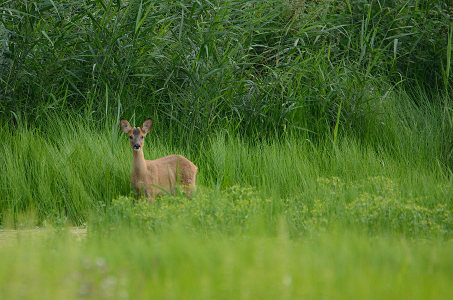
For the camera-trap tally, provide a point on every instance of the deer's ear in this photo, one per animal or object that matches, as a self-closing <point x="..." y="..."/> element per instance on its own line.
<point x="146" y="127"/>
<point x="125" y="126"/>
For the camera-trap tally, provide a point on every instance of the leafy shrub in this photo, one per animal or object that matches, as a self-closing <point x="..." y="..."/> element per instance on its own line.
<point x="374" y="204"/>
<point x="381" y="209"/>
<point x="224" y="211"/>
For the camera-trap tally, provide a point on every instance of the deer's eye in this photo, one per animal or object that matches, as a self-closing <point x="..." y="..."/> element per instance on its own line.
<point x="130" y="137"/>
<point x="141" y="137"/>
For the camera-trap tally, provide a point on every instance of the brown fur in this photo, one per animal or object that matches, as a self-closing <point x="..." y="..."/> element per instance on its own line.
<point x="160" y="175"/>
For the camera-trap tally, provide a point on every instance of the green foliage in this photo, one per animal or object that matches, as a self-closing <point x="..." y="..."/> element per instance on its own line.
<point x="254" y="67"/>
<point x="207" y="211"/>
<point x="400" y="39"/>
<point x="49" y="170"/>
<point x="375" y="205"/>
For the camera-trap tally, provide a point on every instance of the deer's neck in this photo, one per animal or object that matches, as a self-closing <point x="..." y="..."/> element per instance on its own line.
<point x="138" y="163"/>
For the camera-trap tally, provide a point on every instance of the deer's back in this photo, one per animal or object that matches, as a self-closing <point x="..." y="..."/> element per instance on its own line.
<point x="174" y="161"/>
<point x="168" y="167"/>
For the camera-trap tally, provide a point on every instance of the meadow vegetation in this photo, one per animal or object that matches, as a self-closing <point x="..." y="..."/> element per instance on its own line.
<point x="322" y="130"/>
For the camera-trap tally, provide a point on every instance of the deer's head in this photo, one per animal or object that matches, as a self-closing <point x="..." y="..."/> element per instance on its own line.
<point x="136" y="134"/>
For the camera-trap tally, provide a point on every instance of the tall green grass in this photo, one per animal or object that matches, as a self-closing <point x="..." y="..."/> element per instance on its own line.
<point x="68" y="168"/>
<point x="258" y="68"/>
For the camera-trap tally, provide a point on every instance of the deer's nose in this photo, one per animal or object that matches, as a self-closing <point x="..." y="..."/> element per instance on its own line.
<point x="137" y="146"/>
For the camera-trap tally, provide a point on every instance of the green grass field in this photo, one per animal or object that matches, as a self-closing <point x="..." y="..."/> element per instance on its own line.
<point x="322" y="130"/>
<point x="272" y="220"/>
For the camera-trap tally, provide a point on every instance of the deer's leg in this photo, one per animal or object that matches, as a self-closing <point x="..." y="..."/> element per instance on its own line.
<point x="189" y="186"/>
<point x="150" y="194"/>
<point x="138" y="192"/>
<point x="187" y="180"/>
<point x="190" y="189"/>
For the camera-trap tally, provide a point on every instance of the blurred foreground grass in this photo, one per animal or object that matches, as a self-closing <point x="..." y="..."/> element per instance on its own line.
<point x="179" y="265"/>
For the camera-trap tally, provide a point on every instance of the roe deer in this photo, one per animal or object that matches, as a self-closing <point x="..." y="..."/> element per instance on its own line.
<point x="159" y="175"/>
